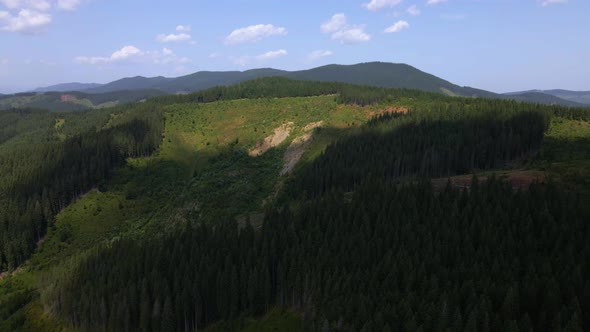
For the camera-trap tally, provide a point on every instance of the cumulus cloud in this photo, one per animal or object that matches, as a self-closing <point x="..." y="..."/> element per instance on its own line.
<point x="41" y="5"/>
<point x="68" y="5"/>
<point x="183" y="28"/>
<point x="546" y="3"/>
<point x="375" y="5"/>
<point x="271" y="55"/>
<point x="173" y="38"/>
<point x="435" y="2"/>
<point x="124" y="53"/>
<point x="413" y="10"/>
<point x="134" y="54"/>
<point x="26" y="21"/>
<point x="31" y="16"/>
<point x="337" y="22"/>
<point x="182" y="35"/>
<point x="343" y="32"/>
<point x="397" y="27"/>
<point x="254" y="33"/>
<point x="351" y="35"/>
<point x="319" y="54"/>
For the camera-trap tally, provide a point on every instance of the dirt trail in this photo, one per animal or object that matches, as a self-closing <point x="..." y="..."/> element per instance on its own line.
<point x="298" y="146"/>
<point x="279" y="135"/>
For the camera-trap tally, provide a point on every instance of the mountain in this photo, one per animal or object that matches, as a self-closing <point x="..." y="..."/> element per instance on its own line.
<point x="542" y="98"/>
<point x="389" y="75"/>
<point x="580" y="97"/>
<point x="74" y="100"/>
<point x="68" y="87"/>
<point x="189" y="83"/>
<point x="380" y="74"/>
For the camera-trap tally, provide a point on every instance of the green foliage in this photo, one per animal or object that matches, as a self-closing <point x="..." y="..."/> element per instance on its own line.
<point x="397" y="256"/>
<point x="205" y="239"/>
<point x="41" y="179"/>
<point x="77" y="101"/>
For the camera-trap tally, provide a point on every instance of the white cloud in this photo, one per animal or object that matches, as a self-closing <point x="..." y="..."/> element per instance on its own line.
<point x="173" y="38"/>
<point x="27" y="21"/>
<point x="244" y="60"/>
<point x="319" y="54"/>
<point x="124" y="53"/>
<point x="546" y="3"/>
<point x="271" y="55"/>
<point x="41" y="5"/>
<point x="214" y="55"/>
<point x="435" y="2"/>
<point x="343" y="32"/>
<point x="413" y="10"/>
<point x="397" y="27"/>
<point x="337" y="22"/>
<point x="375" y="5"/>
<point x="254" y="33"/>
<point x="31" y="16"/>
<point x="183" y="28"/>
<point x="4" y="61"/>
<point x="167" y="51"/>
<point x="351" y="35"/>
<point x="68" y="5"/>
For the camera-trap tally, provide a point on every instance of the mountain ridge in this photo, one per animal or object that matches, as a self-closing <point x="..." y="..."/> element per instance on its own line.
<point x="380" y="74"/>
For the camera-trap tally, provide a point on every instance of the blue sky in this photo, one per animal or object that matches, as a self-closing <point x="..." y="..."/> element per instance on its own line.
<point x="498" y="45"/>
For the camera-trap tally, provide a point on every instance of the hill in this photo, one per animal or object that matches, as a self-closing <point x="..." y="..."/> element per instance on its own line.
<point x="379" y="74"/>
<point x="74" y="100"/>
<point x="389" y="75"/>
<point x="64" y="87"/>
<point x="542" y="98"/>
<point x="580" y="97"/>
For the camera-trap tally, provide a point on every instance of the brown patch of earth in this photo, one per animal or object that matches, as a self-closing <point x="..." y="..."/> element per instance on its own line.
<point x="279" y="135"/>
<point x="388" y="110"/>
<point x="297" y="147"/>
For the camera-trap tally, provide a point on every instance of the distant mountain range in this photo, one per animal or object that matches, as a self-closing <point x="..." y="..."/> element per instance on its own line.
<point x="68" y="87"/>
<point x="381" y="74"/>
<point x="581" y="97"/>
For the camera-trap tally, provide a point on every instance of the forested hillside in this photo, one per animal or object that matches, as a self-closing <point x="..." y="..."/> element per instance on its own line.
<point x="314" y="200"/>
<point x="375" y="74"/>
<point x="74" y="100"/>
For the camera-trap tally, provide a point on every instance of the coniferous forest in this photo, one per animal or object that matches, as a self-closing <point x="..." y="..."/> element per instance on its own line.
<point x="354" y="238"/>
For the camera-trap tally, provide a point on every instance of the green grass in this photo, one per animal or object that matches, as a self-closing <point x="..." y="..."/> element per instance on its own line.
<point x="565" y="154"/>
<point x="275" y="320"/>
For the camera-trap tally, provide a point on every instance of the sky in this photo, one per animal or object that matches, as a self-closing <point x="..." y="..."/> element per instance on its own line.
<point x="497" y="45"/>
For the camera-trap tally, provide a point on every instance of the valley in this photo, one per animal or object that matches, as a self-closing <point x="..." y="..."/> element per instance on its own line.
<point x="197" y="172"/>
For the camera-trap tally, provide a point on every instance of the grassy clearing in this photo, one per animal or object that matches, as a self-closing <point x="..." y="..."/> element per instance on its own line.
<point x="276" y="320"/>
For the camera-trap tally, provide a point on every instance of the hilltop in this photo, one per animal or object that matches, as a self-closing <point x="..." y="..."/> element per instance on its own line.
<point x="379" y="74"/>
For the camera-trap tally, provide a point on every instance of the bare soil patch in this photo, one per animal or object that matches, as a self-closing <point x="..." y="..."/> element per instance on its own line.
<point x="279" y="135"/>
<point x="298" y="146"/>
<point x="388" y="110"/>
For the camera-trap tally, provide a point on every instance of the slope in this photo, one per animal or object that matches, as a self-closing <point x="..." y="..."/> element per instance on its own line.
<point x="580" y="97"/>
<point x="380" y="74"/>
<point x="64" y="87"/>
